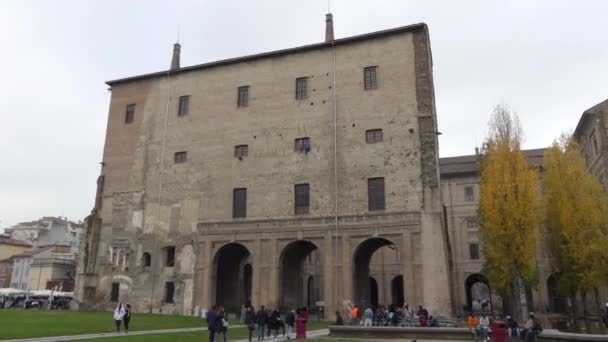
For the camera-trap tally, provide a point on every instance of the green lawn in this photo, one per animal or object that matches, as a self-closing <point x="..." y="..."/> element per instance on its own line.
<point x="36" y="323"/>
<point x="233" y="334"/>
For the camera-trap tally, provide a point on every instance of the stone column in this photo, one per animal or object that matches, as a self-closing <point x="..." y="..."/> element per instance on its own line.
<point x="204" y="276"/>
<point x="273" y="295"/>
<point x="330" y="287"/>
<point x="407" y="262"/>
<point x="345" y="291"/>
<point x="256" y="268"/>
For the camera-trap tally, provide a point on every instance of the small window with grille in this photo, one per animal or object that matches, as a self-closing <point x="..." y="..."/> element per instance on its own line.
<point x="302" y="145"/>
<point x="130" y="113"/>
<point x="243" y="96"/>
<point x="241" y="151"/>
<point x="474" y="251"/>
<point x="373" y="136"/>
<point x="301" y="88"/>
<point x="302" y="199"/>
<point x="180" y="157"/>
<point x="469" y="194"/>
<point x="184" y="104"/>
<point x="370" y="77"/>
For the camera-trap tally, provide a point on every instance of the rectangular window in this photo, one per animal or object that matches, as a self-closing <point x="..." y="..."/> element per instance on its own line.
<point x="471" y="222"/>
<point x="243" y="96"/>
<point x="130" y="113"/>
<point x="302" y="199"/>
<point x="369" y="77"/>
<point x="115" y="292"/>
<point x="474" y="251"/>
<point x="373" y="136"/>
<point x="180" y="157"/>
<point x="302" y="145"/>
<point x="184" y="103"/>
<point x="301" y="88"/>
<point x="241" y="151"/>
<point x="170" y="253"/>
<point x="239" y="203"/>
<point x="169" y="291"/>
<point x="469" y="195"/>
<point x="375" y="193"/>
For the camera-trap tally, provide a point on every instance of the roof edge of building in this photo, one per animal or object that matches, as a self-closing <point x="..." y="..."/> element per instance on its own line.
<point x="341" y="41"/>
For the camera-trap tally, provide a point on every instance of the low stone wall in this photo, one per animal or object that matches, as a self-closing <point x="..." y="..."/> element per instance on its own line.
<point x="550" y="335"/>
<point x="447" y="334"/>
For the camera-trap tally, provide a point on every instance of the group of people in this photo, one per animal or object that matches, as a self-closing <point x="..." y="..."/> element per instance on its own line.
<point x="122" y="315"/>
<point x="268" y="322"/>
<point x="480" y="327"/>
<point x="391" y="316"/>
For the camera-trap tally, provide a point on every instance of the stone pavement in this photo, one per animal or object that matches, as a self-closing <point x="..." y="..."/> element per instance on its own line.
<point x="314" y="333"/>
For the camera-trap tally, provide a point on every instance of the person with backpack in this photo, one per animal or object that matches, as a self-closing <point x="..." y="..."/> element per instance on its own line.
<point x="261" y="319"/>
<point x="249" y="320"/>
<point x="127" y="317"/>
<point x="119" y="314"/>
<point x="290" y="322"/>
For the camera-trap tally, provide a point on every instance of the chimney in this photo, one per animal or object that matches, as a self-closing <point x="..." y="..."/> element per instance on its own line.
<point x="329" y="28"/>
<point x="175" y="59"/>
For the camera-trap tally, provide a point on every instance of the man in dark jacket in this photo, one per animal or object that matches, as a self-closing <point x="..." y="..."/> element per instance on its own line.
<point x="212" y="323"/>
<point x="249" y="319"/>
<point x="261" y="319"/>
<point x="290" y="321"/>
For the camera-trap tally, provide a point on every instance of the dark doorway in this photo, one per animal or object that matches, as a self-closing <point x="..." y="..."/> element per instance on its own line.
<point x="232" y="279"/>
<point x="301" y="275"/>
<point x="397" y="291"/>
<point x="362" y="258"/>
<point x="373" y="291"/>
<point x="479" y="297"/>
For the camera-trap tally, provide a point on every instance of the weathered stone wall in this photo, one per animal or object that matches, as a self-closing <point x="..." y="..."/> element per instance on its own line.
<point x="150" y="203"/>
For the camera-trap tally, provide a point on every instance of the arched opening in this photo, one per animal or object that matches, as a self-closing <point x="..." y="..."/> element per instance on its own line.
<point x="301" y="275"/>
<point x="380" y="259"/>
<point x="479" y="297"/>
<point x="233" y="270"/>
<point x="310" y="291"/>
<point x="397" y="291"/>
<point x="373" y="291"/>
<point x="558" y="303"/>
<point x="146" y="259"/>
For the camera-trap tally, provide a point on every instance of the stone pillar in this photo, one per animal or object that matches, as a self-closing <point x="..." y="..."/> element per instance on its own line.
<point x="347" y="272"/>
<point x="204" y="276"/>
<point x="407" y="262"/>
<point x="330" y="287"/>
<point x="273" y="295"/>
<point x="256" y="268"/>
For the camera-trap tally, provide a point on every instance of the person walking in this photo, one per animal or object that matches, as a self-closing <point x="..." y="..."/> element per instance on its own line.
<point x="484" y="327"/>
<point x="511" y="328"/>
<point x="290" y="322"/>
<point x="260" y="318"/>
<point x="243" y="313"/>
<point x="472" y="323"/>
<point x="368" y="316"/>
<point x="250" y="321"/>
<point x="119" y="314"/>
<point x="222" y="323"/>
<point x="274" y="323"/>
<point x="212" y="323"/>
<point x="127" y="318"/>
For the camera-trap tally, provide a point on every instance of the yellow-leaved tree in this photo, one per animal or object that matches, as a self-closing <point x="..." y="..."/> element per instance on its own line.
<point x="576" y="217"/>
<point x="509" y="211"/>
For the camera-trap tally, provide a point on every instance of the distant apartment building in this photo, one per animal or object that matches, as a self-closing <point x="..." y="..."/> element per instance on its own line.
<point x="48" y="231"/>
<point x="44" y="268"/>
<point x="8" y="248"/>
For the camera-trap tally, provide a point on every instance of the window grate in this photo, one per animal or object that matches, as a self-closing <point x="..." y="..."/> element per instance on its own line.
<point x="243" y="96"/>
<point x="302" y="145"/>
<point x="130" y="113"/>
<point x="301" y="88"/>
<point x="373" y="136"/>
<point x="241" y="151"/>
<point x="302" y="199"/>
<point x="184" y="104"/>
<point x="239" y="203"/>
<point x="180" y="157"/>
<point x="370" y="77"/>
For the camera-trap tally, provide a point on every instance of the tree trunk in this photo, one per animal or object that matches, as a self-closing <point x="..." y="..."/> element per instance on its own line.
<point x="598" y="307"/>
<point x="519" y="302"/>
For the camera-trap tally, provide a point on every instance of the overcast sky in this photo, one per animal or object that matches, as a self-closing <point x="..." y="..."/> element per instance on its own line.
<point x="547" y="59"/>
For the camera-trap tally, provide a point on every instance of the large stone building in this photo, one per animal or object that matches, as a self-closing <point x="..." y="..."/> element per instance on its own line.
<point x="219" y="179"/>
<point x="592" y="136"/>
